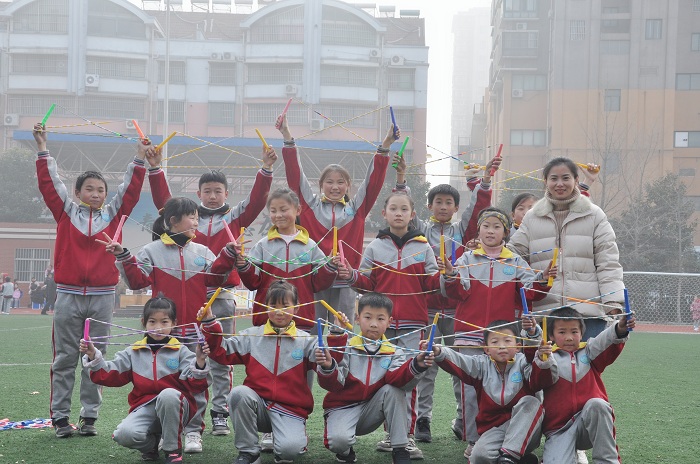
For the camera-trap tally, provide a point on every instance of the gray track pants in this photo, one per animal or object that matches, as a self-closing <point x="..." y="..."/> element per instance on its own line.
<point x="222" y="374"/>
<point x="341" y="299"/>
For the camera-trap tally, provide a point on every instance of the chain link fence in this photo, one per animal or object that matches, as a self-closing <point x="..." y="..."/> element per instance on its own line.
<point x="662" y="298"/>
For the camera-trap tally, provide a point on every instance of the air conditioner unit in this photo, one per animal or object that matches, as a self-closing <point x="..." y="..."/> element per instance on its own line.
<point x="11" y="120"/>
<point x="130" y="124"/>
<point x="317" y="124"/>
<point x="214" y="56"/>
<point x="290" y="89"/>
<point x="516" y="93"/>
<point x="92" y="80"/>
<point x="227" y="56"/>
<point x="521" y="26"/>
<point x="397" y="60"/>
<point x="374" y="53"/>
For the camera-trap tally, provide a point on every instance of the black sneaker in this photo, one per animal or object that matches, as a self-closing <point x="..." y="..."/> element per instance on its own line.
<point x="529" y="458"/>
<point x="219" y="423"/>
<point x="173" y="457"/>
<point x="247" y="458"/>
<point x="400" y="456"/>
<point x="86" y="427"/>
<point x="63" y="428"/>
<point x="350" y="457"/>
<point x="423" y="430"/>
<point x="154" y="454"/>
<point x="457" y="429"/>
<point x="505" y="458"/>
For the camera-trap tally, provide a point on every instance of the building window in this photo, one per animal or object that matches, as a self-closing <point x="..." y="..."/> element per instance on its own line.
<point x="695" y="42"/>
<point x="404" y="119"/>
<point x="107" y="19"/>
<point x="520" y="9"/>
<point x="688" y="81"/>
<point x="402" y="79"/>
<point x="275" y="73"/>
<point x="46" y="16"/>
<point x="178" y="72"/>
<point x="696" y="5"/>
<point x="686" y="172"/>
<point x="615" y="6"/>
<point x="350" y="76"/>
<point x="286" y="26"/>
<point x="221" y="113"/>
<point x="611" y="162"/>
<point x="39" y="64"/>
<point x="533" y="138"/>
<point x="612" y="99"/>
<point x="577" y="29"/>
<point x="687" y="139"/>
<point x="116" y="68"/>
<point x="90" y="107"/>
<point x="222" y="73"/>
<point x="266" y="112"/>
<point x="653" y="29"/>
<point x="343" y="28"/>
<point x="614" y="47"/>
<point x="520" y="43"/>
<point x="176" y="111"/>
<point x="31" y="262"/>
<point x="350" y="115"/>
<point x="529" y="82"/>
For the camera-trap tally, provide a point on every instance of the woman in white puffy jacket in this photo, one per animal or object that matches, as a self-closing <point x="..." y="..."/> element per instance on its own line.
<point x="589" y="261"/>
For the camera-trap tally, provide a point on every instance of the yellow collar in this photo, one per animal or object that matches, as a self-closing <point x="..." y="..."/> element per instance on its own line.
<point x="510" y="361"/>
<point x="433" y="219"/>
<point x="358" y="343"/>
<point x="302" y="236"/>
<point x="291" y="330"/>
<point x="90" y="207"/>
<point x="505" y="252"/>
<point x="325" y="199"/>
<point x="173" y="344"/>
<point x="166" y="239"/>
<point x="581" y="345"/>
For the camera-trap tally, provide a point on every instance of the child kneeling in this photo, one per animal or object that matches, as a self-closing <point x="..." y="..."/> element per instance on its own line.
<point x="510" y="416"/>
<point x="368" y="384"/>
<point x="165" y="374"/>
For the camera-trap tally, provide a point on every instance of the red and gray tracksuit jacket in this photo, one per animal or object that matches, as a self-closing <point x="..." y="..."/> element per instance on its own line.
<point x="300" y="261"/>
<point x="275" y="365"/>
<point x="404" y="268"/>
<point x="180" y="273"/>
<point x="358" y="375"/>
<point x="496" y="392"/>
<point x="171" y="366"/>
<point x="577" y="379"/>
<point x="211" y="231"/>
<point x="490" y="289"/>
<point x="81" y="265"/>
<point x="319" y="215"/>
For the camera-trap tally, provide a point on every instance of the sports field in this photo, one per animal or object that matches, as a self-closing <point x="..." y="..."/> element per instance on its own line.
<point x="654" y="387"/>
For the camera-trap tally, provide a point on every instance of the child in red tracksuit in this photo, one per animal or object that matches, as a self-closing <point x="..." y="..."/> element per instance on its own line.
<point x="166" y="376"/>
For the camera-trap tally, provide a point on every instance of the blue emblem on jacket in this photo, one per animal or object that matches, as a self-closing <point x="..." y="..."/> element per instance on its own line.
<point x="385" y="362"/>
<point x="172" y="363"/>
<point x="298" y="354"/>
<point x="200" y="261"/>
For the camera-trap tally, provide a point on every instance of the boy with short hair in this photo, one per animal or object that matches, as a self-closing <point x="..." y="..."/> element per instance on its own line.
<point x="367" y="386"/>
<point x="510" y="416"/>
<point x="579" y="415"/>
<point x="84" y="274"/>
<point x="215" y="215"/>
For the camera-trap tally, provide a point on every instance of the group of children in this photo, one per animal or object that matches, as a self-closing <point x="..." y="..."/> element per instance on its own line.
<point x="384" y="375"/>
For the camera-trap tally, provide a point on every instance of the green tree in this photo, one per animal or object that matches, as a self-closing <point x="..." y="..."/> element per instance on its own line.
<point x="20" y="200"/>
<point x="514" y="186"/>
<point x="419" y="193"/>
<point x="655" y="232"/>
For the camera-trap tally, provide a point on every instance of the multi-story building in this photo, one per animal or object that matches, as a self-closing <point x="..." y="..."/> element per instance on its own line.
<point x="103" y="63"/>
<point x="616" y="82"/>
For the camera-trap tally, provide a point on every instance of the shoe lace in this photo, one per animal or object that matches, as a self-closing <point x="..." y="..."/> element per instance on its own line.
<point x="219" y="421"/>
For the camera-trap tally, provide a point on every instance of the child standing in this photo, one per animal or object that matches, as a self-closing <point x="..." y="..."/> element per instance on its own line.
<point x="334" y="208"/>
<point x="367" y="386"/>
<point x="579" y="416"/>
<point x="215" y="215"/>
<point x="275" y="396"/>
<point x="510" y="416"/>
<point x="287" y="252"/>
<point x="695" y="311"/>
<point x="85" y="279"/>
<point x="165" y="375"/>
<point x="6" y="290"/>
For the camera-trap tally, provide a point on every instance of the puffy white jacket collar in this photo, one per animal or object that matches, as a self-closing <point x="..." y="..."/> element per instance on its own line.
<point x="543" y="207"/>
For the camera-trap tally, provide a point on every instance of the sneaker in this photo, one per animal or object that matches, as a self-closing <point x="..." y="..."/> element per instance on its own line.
<point x="385" y="445"/>
<point x="581" y="457"/>
<point x="267" y="443"/>
<point x="423" y="430"/>
<point x="63" y="428"/>
<point x="86" y="427"/>
<point x="154" y="454"/>
<point x="505" y="458"/>
<point x="350" y="457"/>
<point x="529" y="458"/>
<point x="413" y="450"/>
<point x="457" y="429"/>
<point x="193" y="442"/>
<point x="400" y="456"/>
<point x="247" y="458"/>
<point x="219" y="424"/>
<point x="468" y="451"/>
<point x="173" y="457"/>
<point x="279" y="460"/>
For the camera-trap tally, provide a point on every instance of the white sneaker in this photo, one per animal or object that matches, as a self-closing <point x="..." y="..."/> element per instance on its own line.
<point x="413" y="451"/>
<point x="694" y="328"/>
<point x="468" y="451"/>
<point x="385" y="445"/>
<point x="193" y="442"/>
<point x="581" y="457"/>
<point x="267" y="443"/>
